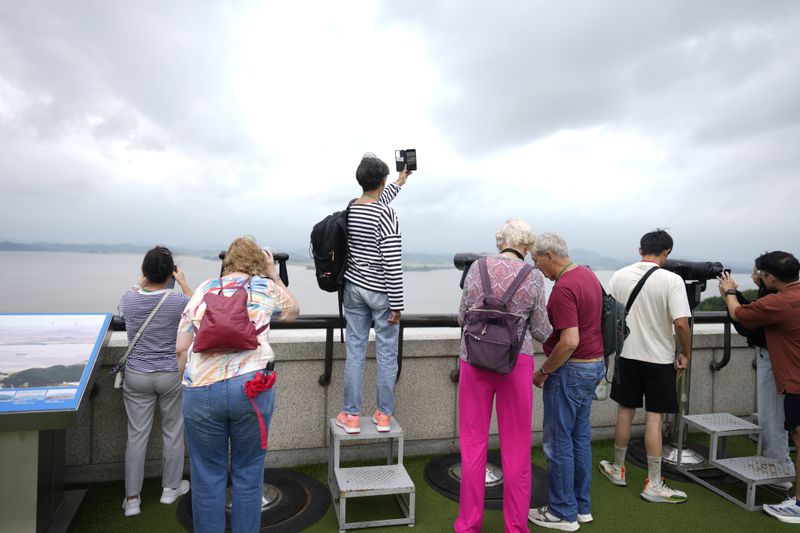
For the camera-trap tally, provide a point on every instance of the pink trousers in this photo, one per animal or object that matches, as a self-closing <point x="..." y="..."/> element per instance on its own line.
<point x="514" y="398"/>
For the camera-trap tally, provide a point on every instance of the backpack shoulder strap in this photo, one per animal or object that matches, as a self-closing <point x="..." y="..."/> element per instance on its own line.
<point x="487" y="284"/>
<point x="514" y="287"/>
<point x="637" y="289"/>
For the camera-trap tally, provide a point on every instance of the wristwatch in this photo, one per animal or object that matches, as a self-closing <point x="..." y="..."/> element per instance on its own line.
<point x="731" y="292"/>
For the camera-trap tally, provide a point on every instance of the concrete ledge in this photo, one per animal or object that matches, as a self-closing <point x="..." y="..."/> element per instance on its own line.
<point x="426" y="402"/>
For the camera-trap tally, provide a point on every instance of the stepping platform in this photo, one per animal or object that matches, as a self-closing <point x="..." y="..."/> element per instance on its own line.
<point x="753" y="471"/>
<point x="362" y="481"/>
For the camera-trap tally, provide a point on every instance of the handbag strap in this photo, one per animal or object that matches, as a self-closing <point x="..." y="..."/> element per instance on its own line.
<point x="121" y="363"/>
<point x="638" y="288"/>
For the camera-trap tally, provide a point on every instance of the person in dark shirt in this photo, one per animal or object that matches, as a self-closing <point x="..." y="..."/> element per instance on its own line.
<point x="779" y="315"/>
<point x="769" y="402"/>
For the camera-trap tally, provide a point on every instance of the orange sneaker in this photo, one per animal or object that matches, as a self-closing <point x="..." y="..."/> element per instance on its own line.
<point x="351" y="424"/>
<point x="383" y="423"/>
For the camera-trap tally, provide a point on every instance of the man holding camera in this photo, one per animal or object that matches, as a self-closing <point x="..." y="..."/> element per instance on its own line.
<point x="779" y="315"/>
<point x="648" y="366"/>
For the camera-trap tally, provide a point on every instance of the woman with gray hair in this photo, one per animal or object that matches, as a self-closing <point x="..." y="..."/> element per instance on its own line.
<point x="479" y="387"/>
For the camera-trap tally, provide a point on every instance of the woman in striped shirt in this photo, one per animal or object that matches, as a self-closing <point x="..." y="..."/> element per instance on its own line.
<point x="153" y="376"/>
<point x="373" y="292"/>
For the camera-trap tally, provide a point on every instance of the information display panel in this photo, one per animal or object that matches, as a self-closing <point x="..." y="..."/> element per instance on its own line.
<point x="47" y="363"/>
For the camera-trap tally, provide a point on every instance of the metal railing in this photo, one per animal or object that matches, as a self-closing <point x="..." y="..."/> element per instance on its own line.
<point x="330" y="323"/>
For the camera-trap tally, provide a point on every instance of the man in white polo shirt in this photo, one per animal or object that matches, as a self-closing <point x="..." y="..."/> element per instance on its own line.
<point x="648" y="365"/>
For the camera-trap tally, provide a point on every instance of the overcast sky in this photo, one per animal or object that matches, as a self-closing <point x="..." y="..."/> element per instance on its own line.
<point x="188" y="123"/>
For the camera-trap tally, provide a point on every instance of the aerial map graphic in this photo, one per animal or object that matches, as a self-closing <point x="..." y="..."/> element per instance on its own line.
<point x="45" y="351"/>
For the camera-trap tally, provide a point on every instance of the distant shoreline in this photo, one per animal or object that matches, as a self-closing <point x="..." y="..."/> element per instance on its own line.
<point x="412" y="261"/>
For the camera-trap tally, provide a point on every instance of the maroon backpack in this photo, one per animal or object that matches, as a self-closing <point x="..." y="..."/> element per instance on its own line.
<point x="226" y="324"/>
<point x="491" y="330"/>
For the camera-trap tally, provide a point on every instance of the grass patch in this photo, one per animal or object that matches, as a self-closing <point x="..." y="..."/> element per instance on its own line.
<point x="615" y="509"/>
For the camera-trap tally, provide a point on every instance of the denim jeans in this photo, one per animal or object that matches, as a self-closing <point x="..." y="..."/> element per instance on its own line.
<point x="218" y="416"/>
<point x="770" y="411"/>
<point x="568" y="394"/>
<point x="362" y="306"/>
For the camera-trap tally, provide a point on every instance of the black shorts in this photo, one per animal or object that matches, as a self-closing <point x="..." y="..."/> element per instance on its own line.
<point x="791" y="411"/>
<point x="656" y="382"/>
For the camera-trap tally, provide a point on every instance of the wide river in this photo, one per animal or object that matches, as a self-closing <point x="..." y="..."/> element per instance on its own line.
<point x="61" y="282"/>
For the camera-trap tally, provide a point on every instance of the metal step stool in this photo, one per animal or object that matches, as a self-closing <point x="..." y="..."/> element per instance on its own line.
<point x="358" y="482"/>
<point x="753" y="471"/>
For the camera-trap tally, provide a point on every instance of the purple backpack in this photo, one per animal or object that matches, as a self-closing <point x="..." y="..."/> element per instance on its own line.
<point x="491" y="330"/>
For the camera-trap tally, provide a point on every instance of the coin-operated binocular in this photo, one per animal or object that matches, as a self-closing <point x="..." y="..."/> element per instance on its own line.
<point x="279" y="257"/>
<point x="695" y="274"/>
<point x="463" y="261"/>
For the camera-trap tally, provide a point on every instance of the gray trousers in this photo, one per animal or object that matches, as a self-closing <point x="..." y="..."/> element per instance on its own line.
<point x="140" y="392"/>
<point x="770" y="411"/>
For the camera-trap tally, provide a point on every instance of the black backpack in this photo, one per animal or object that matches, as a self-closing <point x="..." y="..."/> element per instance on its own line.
<point x="329" y="250"/>
<point x="613" y="327"/>
<point x="613" y="324"/>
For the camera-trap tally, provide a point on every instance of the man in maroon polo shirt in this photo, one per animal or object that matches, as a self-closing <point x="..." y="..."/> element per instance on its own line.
<point x="569" y="376"/>
<point x="779" y="314"/>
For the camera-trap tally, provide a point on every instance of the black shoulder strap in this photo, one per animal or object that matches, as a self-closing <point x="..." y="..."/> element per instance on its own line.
<point x="340" y="294"/>
<point x="512" y="289"/>
<point x="638" y="288"/>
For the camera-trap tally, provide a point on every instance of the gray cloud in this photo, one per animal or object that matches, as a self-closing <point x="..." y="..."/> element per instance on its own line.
<point x="163" y="63"/>
<point x="518" y="71"/>
<point x="711" y="86"/>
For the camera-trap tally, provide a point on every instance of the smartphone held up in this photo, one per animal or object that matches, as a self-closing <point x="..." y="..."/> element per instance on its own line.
<point x="405" y="158"/>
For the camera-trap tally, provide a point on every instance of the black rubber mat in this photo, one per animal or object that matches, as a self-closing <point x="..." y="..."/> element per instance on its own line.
<point x="437" y="474"/>
<point x="303" y="501"/>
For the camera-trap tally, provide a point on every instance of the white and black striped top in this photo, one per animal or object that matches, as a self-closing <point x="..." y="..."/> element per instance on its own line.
<point x="375" y="258"/>
<point x="155" y="349"/>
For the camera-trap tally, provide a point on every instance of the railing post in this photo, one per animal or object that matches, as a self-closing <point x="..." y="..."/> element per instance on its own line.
<point x="325" y="379"/>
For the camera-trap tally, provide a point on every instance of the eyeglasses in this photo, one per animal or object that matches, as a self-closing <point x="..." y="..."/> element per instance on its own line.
<point x="761" y="273"/>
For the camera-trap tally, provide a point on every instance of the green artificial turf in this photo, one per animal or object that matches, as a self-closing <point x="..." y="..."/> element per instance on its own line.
<point x="617" y="509"/>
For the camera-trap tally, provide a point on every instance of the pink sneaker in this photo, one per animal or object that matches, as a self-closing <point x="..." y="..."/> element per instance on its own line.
<point x="383" y="423"/>
<point x="351" y="424"/>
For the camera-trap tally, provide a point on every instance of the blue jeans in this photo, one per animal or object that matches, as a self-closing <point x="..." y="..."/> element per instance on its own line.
<point x="216" y="416"/>
<point x="567" y="438"/>
<point x="362" y="306"/>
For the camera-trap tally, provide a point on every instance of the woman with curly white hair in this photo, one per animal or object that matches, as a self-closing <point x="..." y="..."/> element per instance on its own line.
<point x="512" y="392"/>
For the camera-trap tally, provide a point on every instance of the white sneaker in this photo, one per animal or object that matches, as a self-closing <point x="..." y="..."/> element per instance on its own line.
<point x="660" y="493"/>
<point x="585" y="518"/>
<point x="781" y="485"/>
<point x="132" y="507"/>
<point x="786" y="511"/>
<point x="169" y="496"/>
<point x="544" y="518"/>
<point x="614" y="473"/>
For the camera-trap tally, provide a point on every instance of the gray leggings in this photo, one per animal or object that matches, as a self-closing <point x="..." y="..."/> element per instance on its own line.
<point x="140" y="392"/>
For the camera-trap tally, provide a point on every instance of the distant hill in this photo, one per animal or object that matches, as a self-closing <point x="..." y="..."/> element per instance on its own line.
<point x="411" y="260"/>
<point x="8" y="246"/>
<point x="44" y="377"/>
<point x="595" y="260"/>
